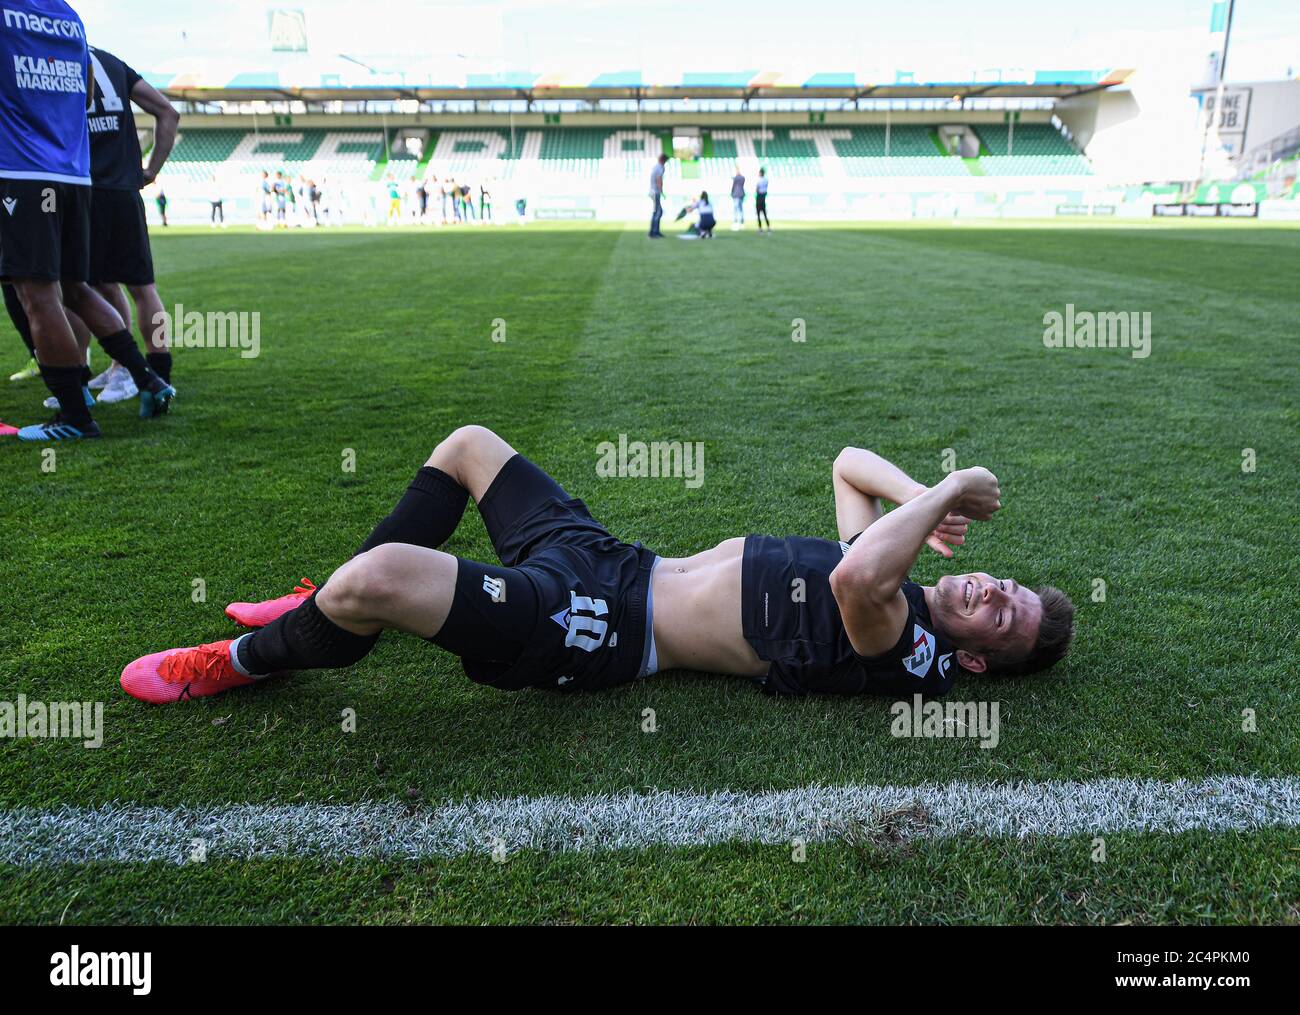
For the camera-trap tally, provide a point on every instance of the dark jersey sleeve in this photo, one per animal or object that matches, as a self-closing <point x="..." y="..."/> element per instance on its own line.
<point x="921" y="661"/>
<point x="131" y="77"/>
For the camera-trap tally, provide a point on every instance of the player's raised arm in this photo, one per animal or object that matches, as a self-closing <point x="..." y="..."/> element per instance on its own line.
<point x="861" y="479"/>
<point x="867" y="582"/>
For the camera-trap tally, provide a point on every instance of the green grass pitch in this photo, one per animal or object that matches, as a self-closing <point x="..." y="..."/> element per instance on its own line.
<point x="919" y="338"/>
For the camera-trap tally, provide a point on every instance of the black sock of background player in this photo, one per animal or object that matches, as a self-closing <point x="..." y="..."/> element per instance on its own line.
<point x="302" y="639"/>
<point x="427" y="514"/>
<point x="19" y="316"/>
<point x="161" y="364"/>
<point x="65" y="385"/>
<point x="121" y="347"/>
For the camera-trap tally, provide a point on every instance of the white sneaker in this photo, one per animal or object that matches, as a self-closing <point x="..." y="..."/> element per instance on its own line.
<point x="120" y="387"/>
<point x="101" y="380"/>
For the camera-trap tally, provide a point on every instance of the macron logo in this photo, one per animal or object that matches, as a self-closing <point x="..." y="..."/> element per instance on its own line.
<point x="42" y="25"/>
<point x="10" y="204"/>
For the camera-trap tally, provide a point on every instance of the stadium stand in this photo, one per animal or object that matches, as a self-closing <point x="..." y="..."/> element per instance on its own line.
<point x="1032" y="149"/>
<point x="200" y="153"/>
<point x="861" y="151"/>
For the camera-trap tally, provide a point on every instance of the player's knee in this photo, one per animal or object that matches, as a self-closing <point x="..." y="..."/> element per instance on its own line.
<point x="365" y="588"/>
<point x="460" y="446"/>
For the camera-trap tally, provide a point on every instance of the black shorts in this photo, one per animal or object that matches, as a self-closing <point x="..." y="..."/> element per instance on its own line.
<point x="119" y="238"/>
<point x="570" y="607"/>
<point x="44" y="230"/>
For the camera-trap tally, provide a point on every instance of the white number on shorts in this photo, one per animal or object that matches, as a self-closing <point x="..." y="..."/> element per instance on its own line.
<point x="586" y="632"/>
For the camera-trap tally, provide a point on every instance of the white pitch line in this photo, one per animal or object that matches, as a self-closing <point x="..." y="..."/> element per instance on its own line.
<point x="130" y="834"/>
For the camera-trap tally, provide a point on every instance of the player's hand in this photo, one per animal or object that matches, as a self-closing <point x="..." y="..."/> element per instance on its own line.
<point x="980" y="495"/>
<point x="149" y="177"/>
<point x="949" y="533"/>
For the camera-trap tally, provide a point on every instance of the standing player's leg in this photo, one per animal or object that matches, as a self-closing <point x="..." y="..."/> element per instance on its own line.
<point x="153" y="324"/>
<point x="60" y="360"/>
<point x="116" y="339"/>
<point x="14" y="308"/>
<point x="116" y="381"/>
<point x="120" y="255"/>
<point x="45" y="237"/>
<point x="82" y="334"/>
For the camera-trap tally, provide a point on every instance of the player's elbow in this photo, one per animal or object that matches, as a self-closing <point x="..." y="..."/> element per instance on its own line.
<point x="860" y="583"/>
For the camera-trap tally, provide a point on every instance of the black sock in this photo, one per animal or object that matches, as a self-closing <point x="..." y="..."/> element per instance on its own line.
<point x="161" y="363"/>
<point x="427" y="514"/>
<point x="65" y="385"/>
<point x="19" y="317"/>
<point x="302" y="639"/>
<point x="121" y="347"/>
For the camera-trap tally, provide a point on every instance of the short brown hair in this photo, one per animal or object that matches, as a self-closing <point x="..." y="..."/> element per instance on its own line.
<point x="1055" y="630"/>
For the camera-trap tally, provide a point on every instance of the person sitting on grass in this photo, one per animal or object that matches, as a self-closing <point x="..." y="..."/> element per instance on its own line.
<point x="705" y="221"/>
<point x="570" y="607"/>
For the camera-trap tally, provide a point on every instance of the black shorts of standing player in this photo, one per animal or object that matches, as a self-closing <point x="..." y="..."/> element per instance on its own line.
<point x="570" y="608"/>
<point x="44" y="230"/>
<point x="119" y="238"/>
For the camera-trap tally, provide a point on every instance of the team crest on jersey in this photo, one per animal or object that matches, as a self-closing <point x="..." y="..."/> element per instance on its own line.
<point x="918" y="663"/>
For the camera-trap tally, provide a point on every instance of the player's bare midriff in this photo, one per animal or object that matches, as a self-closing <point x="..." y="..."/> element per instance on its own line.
<point x="697" y="623"/>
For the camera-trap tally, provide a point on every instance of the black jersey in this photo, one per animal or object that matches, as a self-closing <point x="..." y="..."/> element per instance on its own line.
<point x="114" y="146"/>
<point x="791" y="618"/>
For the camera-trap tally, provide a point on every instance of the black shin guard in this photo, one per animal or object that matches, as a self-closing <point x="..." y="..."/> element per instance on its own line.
<point x="65" y="385"/>
<point x="427" y="514"/>
<point x="161" y="364"/>
<point x="303" y="639"/>
<point x="121" y="347"/>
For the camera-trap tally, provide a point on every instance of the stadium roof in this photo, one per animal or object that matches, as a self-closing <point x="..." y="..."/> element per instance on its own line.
<point x="345" y="80"/>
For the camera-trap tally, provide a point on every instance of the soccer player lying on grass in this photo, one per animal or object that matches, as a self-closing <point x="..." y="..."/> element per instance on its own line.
<point x="572" y="607"/>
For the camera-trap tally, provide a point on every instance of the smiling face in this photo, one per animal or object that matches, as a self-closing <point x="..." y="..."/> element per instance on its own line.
<point x="986" y="616"/>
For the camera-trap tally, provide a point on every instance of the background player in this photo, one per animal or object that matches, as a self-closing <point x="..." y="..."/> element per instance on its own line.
<point x="119" y="233"/>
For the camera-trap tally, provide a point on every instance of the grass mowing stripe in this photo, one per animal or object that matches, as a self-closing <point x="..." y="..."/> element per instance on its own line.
<point x="553" y="824"/>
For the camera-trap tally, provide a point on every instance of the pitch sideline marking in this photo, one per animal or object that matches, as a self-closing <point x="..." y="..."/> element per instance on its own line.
<point x="135" y="834"/>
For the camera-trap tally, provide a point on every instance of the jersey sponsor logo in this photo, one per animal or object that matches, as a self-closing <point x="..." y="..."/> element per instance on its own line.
<point x="66" y="28"/>
<point x="919" y="662"/>
<point x="36" y="73"/>
<point x="10" y="204"/>
<point x="844" y="547"/>
<point x="581" y="621"/>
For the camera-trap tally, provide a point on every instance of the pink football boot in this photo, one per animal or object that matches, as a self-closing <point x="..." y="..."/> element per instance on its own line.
<point x="261" y="614"/>
<point x="181" y="673"/>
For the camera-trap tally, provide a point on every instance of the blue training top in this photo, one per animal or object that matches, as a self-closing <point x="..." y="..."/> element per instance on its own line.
<point x="43" y="76"/>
